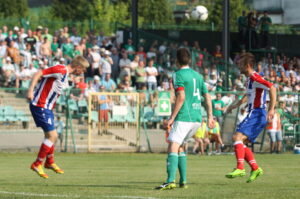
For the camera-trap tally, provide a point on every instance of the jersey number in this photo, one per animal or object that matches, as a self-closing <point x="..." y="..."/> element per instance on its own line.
<point x="196" y="90"/>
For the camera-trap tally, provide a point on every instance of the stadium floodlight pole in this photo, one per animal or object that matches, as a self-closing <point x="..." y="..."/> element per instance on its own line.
<point x="226" y="38"/>
<point x="134" y="21"/>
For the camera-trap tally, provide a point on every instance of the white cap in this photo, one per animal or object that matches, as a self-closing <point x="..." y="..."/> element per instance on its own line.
<point x="40" y="27"/>
<point x="96" y="47"/>
<point x="107" y="52"/>
<point x="41" y="62"/>
<point x="96" y="77"/>
<point x="33" y="57"/>
<point x="62" y="59"/>
<point x="16" y="28"/>
<point x="8" y="59"/>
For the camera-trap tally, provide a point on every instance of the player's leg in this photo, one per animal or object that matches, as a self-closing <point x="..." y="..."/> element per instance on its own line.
<point x="238" y="142"/>
<point x="50" y="163"/>
<point x="106" y="121"/>
<point x="279" y="141"/>
<point x="201" y="144"/>
<point x="172" y="165"/>
<point x="182" y="166"/>
<point x="196" y="145"/>
<point x="272" y="141"/>
<point x="255" y="169"/>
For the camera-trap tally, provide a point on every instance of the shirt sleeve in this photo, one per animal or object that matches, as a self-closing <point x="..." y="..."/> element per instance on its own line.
<point x="261" y="82"/>
<point x="203" y="87"/>
<point x="178" y="82"/>
<point x="54" y="71"/>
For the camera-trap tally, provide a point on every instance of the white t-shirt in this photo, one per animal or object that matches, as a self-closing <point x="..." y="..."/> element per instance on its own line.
<point x="125" y="62"/>
<point x="8" y="67"/>
<point x="106" y="67"/>
<point x="96" y="59"/>
<point x="151" y="78"/>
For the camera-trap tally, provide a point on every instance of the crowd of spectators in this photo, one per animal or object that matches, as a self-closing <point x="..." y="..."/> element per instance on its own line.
<point x="121" y="67"/>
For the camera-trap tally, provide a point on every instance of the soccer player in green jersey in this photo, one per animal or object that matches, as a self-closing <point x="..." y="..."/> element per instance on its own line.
<point x="185" y="118"/>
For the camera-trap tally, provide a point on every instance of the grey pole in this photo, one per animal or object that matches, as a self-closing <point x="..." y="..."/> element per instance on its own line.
<point x="134" y="11"/>
<point x="226" y="38"/>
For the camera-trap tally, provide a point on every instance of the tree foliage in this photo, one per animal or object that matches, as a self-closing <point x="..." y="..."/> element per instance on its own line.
<point x="13" y="8"/>
<point x="76" y="10"/>
<point x="155" y="12"/>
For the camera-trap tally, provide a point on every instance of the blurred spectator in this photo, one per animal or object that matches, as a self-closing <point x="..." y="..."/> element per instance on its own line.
<point x="130" y="50"/>
<point x="95" y="60"/>
<point x="133" y="65"/>
<point x="108" y="83"/>
<point x="218" y="107"/>
<point x="8" y="71"/>
<point x="265" y="23"/>
<point x="105" y="64"/>
<point x="151" y="75"/>
<point x="14" y="53"/>
<point x="141" y="53"/>
<point x="124" y="65"/>
<point x="96" y="83"/>
<point x="30" y="40"/>
<point x="115" y="65"/>
<point x="141" y="75"/>
<point x="275" y="133"/>
<point x="242" y="27"/>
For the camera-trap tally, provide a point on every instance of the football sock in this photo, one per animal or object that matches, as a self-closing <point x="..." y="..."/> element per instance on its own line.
<point x="239" y="154"/>
<point x="182" y="167"/>
<point x="172" y="164"/>
<point x="44" y="151"/>
<point x="249" y="157"/>
<point x="50" y="156"/>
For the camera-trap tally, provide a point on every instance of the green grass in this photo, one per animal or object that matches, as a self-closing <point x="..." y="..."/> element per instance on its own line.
<point x="135" y="176"/>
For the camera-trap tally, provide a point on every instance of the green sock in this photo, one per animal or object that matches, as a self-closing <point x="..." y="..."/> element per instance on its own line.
<point x="182" y="167"/>
<point x="172" y="162"/>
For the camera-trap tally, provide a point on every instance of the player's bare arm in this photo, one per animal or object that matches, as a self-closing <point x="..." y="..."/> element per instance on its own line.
<point x="271" y="110"/>
<point x="178" y="104"/>
<point x="234" y="105"/>
<point x="33" y="83"/>
<point x="210" y="121"/>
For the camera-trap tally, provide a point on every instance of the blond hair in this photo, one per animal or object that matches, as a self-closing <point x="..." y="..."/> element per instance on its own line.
<point x="80" y="61"/>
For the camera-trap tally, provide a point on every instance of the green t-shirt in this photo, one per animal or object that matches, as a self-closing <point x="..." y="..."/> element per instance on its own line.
<point x="217" y="104"/>
<point x="140" y="79"/>
<point x="242" y="22"/>
<point x="264" y="23"/>
<point x="54" y="47"/>
<point x="194" y="87"/>
<point x="130" y="48"/>
<point x="68" y="49"/>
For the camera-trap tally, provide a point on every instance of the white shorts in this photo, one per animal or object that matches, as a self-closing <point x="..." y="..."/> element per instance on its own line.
<point x="182" y="131"/>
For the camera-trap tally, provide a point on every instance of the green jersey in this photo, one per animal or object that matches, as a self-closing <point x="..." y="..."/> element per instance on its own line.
<point x="194" y="86"/>
<point x="217" y="104"/>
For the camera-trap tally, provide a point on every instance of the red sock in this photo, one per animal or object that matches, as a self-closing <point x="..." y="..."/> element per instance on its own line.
<point x="249" y="157"/>
<point x="44" y="150"/>
<point x="50" y="156"/>
<point x="239" y="154"/>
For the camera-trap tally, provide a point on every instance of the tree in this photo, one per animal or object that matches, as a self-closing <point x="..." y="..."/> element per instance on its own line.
<point x="236" y="8"/>
<point x="76" y="10"/>
<point x="14" y="8"/>
<point x="156" y="12"/>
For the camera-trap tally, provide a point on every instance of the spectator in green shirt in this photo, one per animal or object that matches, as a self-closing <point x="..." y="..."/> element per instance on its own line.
<point x="68" y="49"/>
<point x="130" y="49"/>
<point x="265" y="22"/>
<point x="242" y="26"/>
<point x="141" y="75"/>
<point x="218" y="107"/>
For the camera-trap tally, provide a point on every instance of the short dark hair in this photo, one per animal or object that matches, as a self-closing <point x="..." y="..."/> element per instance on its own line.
<point x="247" y="58"/>
<point x="183" y="56"/>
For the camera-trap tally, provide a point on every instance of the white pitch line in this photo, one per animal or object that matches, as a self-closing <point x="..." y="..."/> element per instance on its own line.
<point x="133" y="197"/>
<point x="39" y="195"/>
<point x="71" y="196"/>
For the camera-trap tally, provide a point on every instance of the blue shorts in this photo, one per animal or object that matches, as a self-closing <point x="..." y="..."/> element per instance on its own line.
<point x="43" y="118"/>
<point x="253" y="124"/>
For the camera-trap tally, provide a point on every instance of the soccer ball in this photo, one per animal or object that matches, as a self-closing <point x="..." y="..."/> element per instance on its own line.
<point x="199" y="13"/>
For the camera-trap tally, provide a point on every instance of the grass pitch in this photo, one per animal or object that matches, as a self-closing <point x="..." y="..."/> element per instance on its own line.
<point x="114" y="176"/>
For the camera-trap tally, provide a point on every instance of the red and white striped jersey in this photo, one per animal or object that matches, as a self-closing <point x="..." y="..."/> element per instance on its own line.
<point x="257" y="88"/>
<point x="54" y="80"/>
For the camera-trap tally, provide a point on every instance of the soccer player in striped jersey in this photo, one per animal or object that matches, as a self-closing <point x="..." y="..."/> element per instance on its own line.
<point x="185" y="118"/>
<point x="256" y="120"/>
<point x="42" y="100"/>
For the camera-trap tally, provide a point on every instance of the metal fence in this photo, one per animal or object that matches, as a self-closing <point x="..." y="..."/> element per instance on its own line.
<point x="130" y="123"/>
